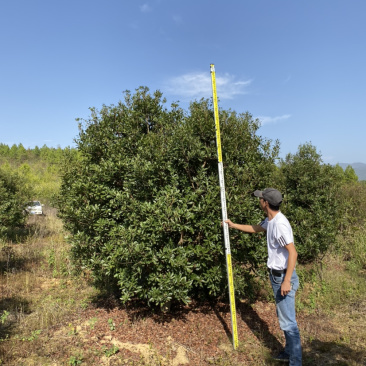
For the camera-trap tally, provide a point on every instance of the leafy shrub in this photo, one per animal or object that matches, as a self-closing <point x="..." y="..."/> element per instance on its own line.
<point x="311" y="204"/>
<point x="12" y="203"/>
<point x="352" y="201"/>
<point x="143" y="202"/>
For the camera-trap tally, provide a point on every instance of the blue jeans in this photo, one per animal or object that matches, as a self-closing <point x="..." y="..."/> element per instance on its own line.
<point x="285" y="307"/>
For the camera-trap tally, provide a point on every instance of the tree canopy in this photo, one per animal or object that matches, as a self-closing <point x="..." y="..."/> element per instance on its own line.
<point x="310" y="188"/>
<point x="143" y="203"/>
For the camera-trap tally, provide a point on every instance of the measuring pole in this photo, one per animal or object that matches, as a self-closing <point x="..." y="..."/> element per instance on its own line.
<point x="224" y="213"/>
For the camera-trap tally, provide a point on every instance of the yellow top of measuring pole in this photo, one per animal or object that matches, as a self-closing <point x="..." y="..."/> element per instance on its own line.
<point x="216" y="112"/>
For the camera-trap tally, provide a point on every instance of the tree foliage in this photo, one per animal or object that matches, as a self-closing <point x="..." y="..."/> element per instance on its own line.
<point x="143" y="202"/>
<point x="350" y="174"/>
<point x="38" y="168"/>
<point x="352" y="203"/>
<point x="13" y="198"/>
<point x="311" y="203"/>
<point x="18" y="154"/>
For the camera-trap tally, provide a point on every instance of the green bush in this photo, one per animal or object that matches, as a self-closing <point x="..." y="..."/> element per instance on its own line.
<point x="143" y="202"/>
<point x="311" y="201"/>
<point x="352" y="201"/>
<point x="12" y="204"/>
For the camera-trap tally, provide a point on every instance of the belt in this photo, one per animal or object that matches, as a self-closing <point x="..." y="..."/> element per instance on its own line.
<point x="277" y="272"/>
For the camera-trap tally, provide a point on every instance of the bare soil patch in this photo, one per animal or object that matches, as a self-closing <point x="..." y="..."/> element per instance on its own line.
<point x="197" y="334"/>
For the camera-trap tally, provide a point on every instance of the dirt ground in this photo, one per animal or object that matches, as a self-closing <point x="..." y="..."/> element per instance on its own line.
<point x="189" y="335"/>
<point x="108" y="334"/>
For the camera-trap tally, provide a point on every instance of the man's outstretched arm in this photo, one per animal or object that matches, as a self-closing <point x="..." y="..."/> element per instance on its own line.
<point x="246" y="228"/>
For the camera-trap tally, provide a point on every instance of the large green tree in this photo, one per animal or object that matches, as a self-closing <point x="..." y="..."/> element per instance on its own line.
<point x="311" y="201"/>
<point x="143" y="202"/>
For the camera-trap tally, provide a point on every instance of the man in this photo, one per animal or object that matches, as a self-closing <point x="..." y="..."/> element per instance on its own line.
<point x="282" y="256"/>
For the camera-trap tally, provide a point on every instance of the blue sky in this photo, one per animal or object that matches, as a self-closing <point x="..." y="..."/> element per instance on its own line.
<point x="298" y="66"/>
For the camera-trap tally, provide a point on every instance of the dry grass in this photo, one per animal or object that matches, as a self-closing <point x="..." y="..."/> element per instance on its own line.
<point x="46" y="317"/>
<point x="37" y="288"/>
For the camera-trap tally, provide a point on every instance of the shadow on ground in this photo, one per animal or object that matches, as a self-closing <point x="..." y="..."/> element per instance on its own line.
<point x="315" y="353"/>
<point x="319" y="353"/>
<point x="11" y="308"/>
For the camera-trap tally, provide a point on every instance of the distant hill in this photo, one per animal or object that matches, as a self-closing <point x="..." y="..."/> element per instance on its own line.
<point x="359" y="168"/>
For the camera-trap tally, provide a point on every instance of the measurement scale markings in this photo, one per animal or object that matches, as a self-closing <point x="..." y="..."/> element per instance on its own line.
<point x="224" y="212"/>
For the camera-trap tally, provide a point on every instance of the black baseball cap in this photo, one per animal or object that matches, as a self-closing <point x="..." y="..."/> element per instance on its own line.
<point x="271" y="195"/>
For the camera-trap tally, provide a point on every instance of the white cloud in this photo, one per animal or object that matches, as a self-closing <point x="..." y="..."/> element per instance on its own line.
<point x="198" y="85"/>
<point x="145" y="8"/>
<point x="267" y="120"/>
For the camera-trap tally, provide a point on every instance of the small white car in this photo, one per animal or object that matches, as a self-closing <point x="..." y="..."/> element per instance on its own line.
<point x="35" y="208"/>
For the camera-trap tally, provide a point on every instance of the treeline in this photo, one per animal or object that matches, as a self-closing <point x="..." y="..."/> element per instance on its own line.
<point x="18" y="154"/>
<point x="27" y="175"/>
